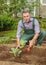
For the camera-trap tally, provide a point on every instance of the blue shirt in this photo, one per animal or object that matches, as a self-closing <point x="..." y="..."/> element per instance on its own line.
<point x="28" y="26"/>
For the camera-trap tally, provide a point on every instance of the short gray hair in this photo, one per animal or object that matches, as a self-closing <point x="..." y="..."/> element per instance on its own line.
<point x="25" y="11"/>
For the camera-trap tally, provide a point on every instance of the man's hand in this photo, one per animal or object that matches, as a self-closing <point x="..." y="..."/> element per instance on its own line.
<point x="18" y="46"/>
<point x="31" y="43"/>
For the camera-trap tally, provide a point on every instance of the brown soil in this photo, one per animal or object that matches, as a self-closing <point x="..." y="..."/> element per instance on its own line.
<point x="37" y="55"/>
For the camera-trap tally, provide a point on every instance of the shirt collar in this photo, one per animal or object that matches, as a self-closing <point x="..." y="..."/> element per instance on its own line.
<point x="29" y="22"/>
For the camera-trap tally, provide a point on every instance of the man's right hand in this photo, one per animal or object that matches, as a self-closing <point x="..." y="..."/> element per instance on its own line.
<point x="18" y="43"/>
<point x="18" y="46"/>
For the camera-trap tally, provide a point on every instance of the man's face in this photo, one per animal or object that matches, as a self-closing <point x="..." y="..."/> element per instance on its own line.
<point x="26" y="17"/>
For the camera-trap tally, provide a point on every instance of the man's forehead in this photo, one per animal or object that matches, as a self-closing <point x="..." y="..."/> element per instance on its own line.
<point x="25" y="14"/>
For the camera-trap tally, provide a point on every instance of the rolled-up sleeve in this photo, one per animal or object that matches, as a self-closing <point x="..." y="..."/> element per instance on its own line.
<point x="19" y="29"/>
<point x="37" y="26"/>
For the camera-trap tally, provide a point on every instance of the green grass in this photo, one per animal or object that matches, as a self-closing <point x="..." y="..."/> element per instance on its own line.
<point x="10" y="33"/>
<point x="6" y="36"/>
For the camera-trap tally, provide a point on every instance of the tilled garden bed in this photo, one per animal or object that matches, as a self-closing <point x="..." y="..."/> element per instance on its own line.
<point x="36" y="56"/>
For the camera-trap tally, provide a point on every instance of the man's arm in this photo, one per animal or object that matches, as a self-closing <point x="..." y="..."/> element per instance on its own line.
<point x="18" y="42"/>
<point x="37" y="31"/>
<point x="19" y="33"/>
<point x="32" y="42"/>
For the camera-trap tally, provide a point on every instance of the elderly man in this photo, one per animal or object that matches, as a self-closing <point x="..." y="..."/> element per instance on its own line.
<point x="32" y="34"/>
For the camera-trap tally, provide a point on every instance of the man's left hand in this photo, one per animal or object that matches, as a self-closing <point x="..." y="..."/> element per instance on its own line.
<point x="31" y="43"/>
